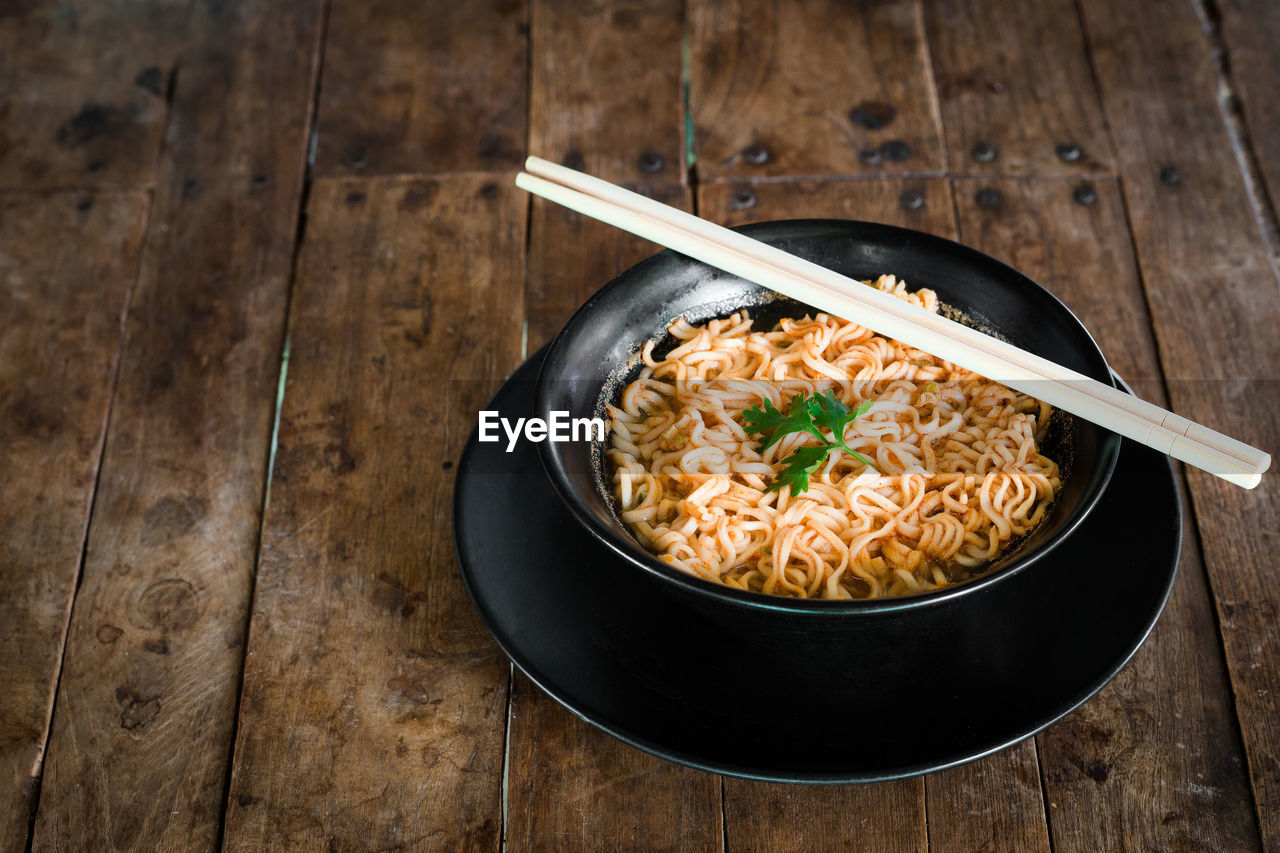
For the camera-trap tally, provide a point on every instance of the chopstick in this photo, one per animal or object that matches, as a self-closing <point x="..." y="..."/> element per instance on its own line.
<point x="1254" y="460"/>
<point x="827" y="290"/>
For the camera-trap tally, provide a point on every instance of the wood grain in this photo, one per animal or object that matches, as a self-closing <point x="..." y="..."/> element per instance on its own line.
<point x="83" y="89"/>
<point x="993" y="804"/>
<point x="571" y="257"/>
<point x="570" y="786"/>
<point x="764" y="817"/>
<point x="143" y="721"/>
<point x="1023" y="102"/>
<point x="431" y="87"/>
<point x="1250" y="31"/>
<point x="783" y="79"/>
<point x="1153" y="762"/>
<point x="373" y="705"/>
<point x="1215" y="305"/>
<point x="893" y="201"/>
<point x="605" y="90"/>
<point x="59" y="346"/>
<point x="573" y="787"/>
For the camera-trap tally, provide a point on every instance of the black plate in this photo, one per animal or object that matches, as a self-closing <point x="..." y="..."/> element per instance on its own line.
<point x="618" y="650"/>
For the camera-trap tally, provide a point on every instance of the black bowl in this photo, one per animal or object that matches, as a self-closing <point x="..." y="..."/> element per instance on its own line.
<point x="596" y="355"/>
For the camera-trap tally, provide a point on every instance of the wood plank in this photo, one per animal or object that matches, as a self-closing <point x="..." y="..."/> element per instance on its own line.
<point x="373" y="705"/>
<point x="1215" y="304"/>
<point x="993" y="804"/>
<point x="59" y="347"/>
<point x="429" y="87"/>
<point x="920" y="203"/>
<point x="1250" y="31"/>
<point x="144" y="714"/>
<point x="573" y="787"/>
<point x="605" y="90"/>
<point x="813" y="88"/>
<point x="570" y="786"/>
<point x="83" y="88"/>
<point x="1016" y="89"/>
<point x="571" y="257"/>
<point x="1153" y="762"/>
<point x="886" y="816"/>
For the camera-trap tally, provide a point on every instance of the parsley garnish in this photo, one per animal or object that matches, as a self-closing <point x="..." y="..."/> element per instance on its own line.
<point x="809" y="415"/>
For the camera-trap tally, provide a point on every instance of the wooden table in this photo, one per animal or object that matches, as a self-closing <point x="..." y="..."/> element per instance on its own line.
<point x="261" y="263"/>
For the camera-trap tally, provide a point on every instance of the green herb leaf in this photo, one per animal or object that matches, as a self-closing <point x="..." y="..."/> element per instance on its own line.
<point x="829" y="412"/>
<point x="800" y="465"/>
<point x="773" y="425"/>
<point x="808" y="415"/>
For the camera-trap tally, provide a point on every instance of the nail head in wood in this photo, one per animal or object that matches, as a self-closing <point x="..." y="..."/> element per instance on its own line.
<point x="1170" y="175"/>
<point x="1085" y="194"/>
<point x="650" y="162"/>
<point x="357" y="157"/>
<point x="895" y="150"/>
<point x="987" y="198"/>
<point x="756" y="155"/>
<point x="873" y="115"/>
<point x="983" y="152"/>
<point x="743" y="198"/>
<point x="912" y="200"/>
<point x="1069" y="152"/>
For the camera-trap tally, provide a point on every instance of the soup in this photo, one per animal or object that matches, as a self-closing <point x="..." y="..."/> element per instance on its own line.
<point x="818" y="459"/>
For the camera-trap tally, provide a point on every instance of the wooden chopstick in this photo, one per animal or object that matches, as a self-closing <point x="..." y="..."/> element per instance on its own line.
<point x="830" y="291"/>
<point x="1254" y="459"/>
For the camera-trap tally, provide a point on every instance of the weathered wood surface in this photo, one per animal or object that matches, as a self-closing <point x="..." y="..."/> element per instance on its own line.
<point x="59" y="347"/>
<point x="429" y="87"/>
<point x="762" y="816"/>
<point x="1010" y="110"/>
<point x="142" y="725"/>
<point x="83" y="88"/>
<point x="814" y="88"/>
<point x="571" y="257"/>
<point x="606" y="94"/>
<point x="920" y="203"/>
<point x="1250" y="33"/>
<point x="573" y="787"/>
<point x="1215" y="305"/>
<point x="373" y="704"/>
<point x="569" y="785"/>
<point x="994" y="804"/>
<point x="1153" y="762"/>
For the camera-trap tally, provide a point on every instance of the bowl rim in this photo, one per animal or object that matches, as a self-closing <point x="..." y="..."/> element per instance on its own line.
<point x="634" y="555"/>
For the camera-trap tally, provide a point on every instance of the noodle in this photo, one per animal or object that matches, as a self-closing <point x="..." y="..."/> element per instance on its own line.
<point x="957" y="472"/>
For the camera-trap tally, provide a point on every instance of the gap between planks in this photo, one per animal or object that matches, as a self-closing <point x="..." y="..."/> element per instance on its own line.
<point x="1231" y="106"/>
<point x="117" y="357"/>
